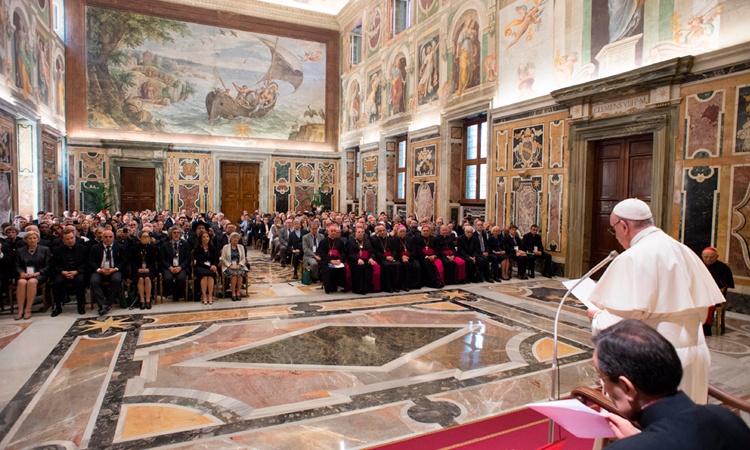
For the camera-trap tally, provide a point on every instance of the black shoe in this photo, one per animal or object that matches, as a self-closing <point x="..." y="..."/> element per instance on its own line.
<point x="81" y="310"/>
<point x="548" y="275"/>
<point x="490" y="280"/>
<point x="283" y="266"/>
<point x="236" y="298"/>
<point x="104" y="310"/>
<point x="148" y="305"/>
<point x="295" y="276"/>
<point x="143" y="305"/>
<point x="532" y="275"/>
<point x="523" y="277"/>
<point x="56" y="312"/>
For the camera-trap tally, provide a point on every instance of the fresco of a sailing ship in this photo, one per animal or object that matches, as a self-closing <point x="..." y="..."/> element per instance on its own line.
<point x="178" y="77"/>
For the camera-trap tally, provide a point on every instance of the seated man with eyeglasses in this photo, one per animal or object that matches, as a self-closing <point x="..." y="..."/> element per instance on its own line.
<point x="641" y="373"/>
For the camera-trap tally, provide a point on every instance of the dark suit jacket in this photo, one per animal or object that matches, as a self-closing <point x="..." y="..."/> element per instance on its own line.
<point x="352" y="249"/>
<point x="511" y="243"/>
<point x="530" y="241"/>
<point x="166" y="253"/>
<point x="676" y="423"/>
<point x="43" y="256"/>
<point x="137" y="258"/>
<point x="295" y="243"/>
<point x="200" y="257"/>
<point x="467" y="248"/>
<point x="119" y="255"/>
<point x="484" y="238"/>
<point x="81" y="259"/>
<point x="325" y="247"/>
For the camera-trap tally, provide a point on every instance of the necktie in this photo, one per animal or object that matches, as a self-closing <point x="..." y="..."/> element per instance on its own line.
<point x="109" y="253"/>
<point x="175" y="248"/>
<point x="481" y="243"/>
<point x="315" y="241"/>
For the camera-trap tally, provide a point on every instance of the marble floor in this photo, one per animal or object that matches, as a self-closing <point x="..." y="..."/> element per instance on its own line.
<point x="292" y="368"/>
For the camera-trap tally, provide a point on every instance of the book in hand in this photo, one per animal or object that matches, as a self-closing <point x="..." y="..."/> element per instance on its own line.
<point x="577" y="418"/>
<point x="336" y="266"/>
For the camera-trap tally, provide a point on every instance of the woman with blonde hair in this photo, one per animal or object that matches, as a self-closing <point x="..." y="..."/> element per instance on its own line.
<point x="32" y="267"/>
<point x="233" y="264"/>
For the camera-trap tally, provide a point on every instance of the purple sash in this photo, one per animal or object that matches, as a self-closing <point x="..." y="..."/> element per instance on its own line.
<point x="438" y="263"/>
<point x="335" y="252"/>
<point x="460" y="265"/>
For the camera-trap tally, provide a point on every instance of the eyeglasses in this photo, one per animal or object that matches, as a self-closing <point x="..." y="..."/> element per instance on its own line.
<point x="612" y="229"/>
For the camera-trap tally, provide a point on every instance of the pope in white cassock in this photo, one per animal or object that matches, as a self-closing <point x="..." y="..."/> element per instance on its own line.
<point x="663" y="283"/>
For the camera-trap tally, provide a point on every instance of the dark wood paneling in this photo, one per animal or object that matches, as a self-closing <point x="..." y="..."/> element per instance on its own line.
<point x="623" y="168"/>
<point x="137" y="189"/>
<point x="239" y="188"/>
<point x="75" y="57"/>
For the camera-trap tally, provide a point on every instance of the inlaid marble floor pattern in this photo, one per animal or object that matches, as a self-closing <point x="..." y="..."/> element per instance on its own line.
<point x="300" y="369"/>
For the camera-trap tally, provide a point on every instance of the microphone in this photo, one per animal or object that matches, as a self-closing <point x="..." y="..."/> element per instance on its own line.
<point x="555" y="369"/>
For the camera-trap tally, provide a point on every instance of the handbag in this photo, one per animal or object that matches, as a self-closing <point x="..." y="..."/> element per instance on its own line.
<point x="306" y="275"/>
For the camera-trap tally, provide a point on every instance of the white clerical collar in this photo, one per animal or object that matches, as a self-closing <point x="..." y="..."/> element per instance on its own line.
<point x="641" y="234"/>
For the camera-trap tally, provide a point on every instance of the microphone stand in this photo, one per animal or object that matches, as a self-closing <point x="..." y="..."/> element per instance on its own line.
<point x="555" y="367"/>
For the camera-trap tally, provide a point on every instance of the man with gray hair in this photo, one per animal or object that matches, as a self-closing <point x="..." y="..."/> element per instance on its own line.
<point x="174" y="255"/>
<point x="310" y="243"/>
<point x="661" y="282"/>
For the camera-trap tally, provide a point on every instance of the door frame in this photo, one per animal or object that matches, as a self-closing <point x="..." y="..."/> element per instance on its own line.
<point x="153" y="163"/>
<point x="663" y="123"/>
<point x="264" y="172"/>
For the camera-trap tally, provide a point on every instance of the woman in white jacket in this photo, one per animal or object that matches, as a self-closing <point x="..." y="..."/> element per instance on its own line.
<point x="233" y="264"/>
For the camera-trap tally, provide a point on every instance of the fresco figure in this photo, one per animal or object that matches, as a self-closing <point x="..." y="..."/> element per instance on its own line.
<point x="354" y="101"/>
<point x="373" y="28"/>
<point x="374" y="97"/>
<point x="398" y="85"/>
<point x="700" y="32"/>
<point x="23" y="57"/>
<point x="429" y="81"/>
<point x="60" y="85"/>
<point x="3" y="28"/>
<point x="466" y="55"/>
<point x="624" y="18"/>
<point x="43" y="72"/>
<point x="527" y="18"/>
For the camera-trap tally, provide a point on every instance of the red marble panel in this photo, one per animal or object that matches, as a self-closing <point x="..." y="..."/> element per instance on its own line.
<point x="501" y="195"/>
<point x="704" y="119"/>
<point x="738" y="252"/>
<point x="188" y="197"/>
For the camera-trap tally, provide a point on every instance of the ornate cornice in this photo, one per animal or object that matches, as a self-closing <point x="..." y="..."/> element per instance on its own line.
<point x="266" y="11"/>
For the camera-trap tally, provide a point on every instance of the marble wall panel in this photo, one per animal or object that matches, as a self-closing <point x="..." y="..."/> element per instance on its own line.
<point x="72" y="180"/>
<point x="49" y="194"/>
<point x="390" y="179"/>
<point x="7" y="138"/>
<point x="369" y="168"/>
<point x="206" y="170"/>
<point x="49" y="159"/>
<point x="474" y="212"/>
<point x="282" y="171"/>
<point x="501" y="146"/>
<point x="456" y="166"/>
<point x="528" y="147"/>
<point x="401" y="210"/>
<point x="741" y="140"/>
<point x="351" y="180"/>
<point x="555" y="187"/>
<point x="699" y="209"/>
<point x="704" y="123"/>
<point x="424" y="199"/>
<point x="170" y="169"/>
<point x="526" y="202"/>
<point x="457" y="132"/>
<point x="327" y="173"/>
<point x="304" y="172"/>
<point x="189" y="197"/>
<point x="370" y="199"/>
<point x="425" y="160"/>
<point x="556" y="156"/>
<point x="302" y="195"/>
<point x="92" y="165"/>
<point x="188" y="169"/>
<point x="84" y="200"/>
<point x="501" y="194"/>
<point x="6" y="195"/>
<point x="738" y="249"/>
<point x="281" y="195"/>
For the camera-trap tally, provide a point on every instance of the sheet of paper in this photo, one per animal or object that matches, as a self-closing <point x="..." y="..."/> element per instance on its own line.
<point x="583" y="290"/>
<point x="338" y="266"/>
<point x="580" y="420"/>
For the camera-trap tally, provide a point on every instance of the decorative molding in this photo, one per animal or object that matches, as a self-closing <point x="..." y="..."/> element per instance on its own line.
<point x="465" y="110"/>
<point x="369" y="147"/>
<point x="532" y="107"/>
<point x="395" y="130"/>
<point x="728" y="56"/>
<point x="625" y="84"/>
<point x="267" y="11"/>
<point x="429" y="132"/>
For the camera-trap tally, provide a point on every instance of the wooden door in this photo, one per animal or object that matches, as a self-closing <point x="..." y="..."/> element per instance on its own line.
<point x="622" y="169"/>
<point x="239" y="189"/>
<point x="138" y="189"/>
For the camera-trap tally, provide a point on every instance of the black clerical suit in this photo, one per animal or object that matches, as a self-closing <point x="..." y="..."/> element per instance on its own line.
<point x="676" y="423"/>
<point x="466" y="249"/>
<point x="361" y="273"/>
<point x="174" y="284"/>
<point x="118" y="259"/>
<point x="432" y="271"/>
<point x="332" y="277"/>
<point x="512" y="244"/>
<point x="529" y="243"/>
<point x="448" y="249"/>
<point x="483" y="261"/>
<point x="69" y="259"/>
<point x="409" y="270"/>
<point x="295" y="243"/>
<point x="389" y="270"/>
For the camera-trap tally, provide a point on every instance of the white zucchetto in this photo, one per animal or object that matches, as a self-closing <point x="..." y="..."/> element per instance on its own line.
<point x="632" y="209"/>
